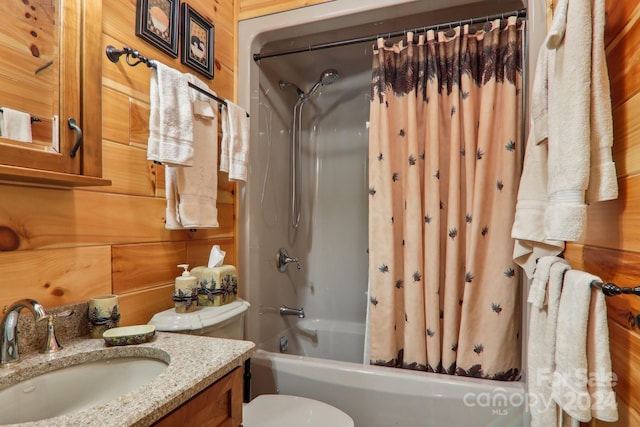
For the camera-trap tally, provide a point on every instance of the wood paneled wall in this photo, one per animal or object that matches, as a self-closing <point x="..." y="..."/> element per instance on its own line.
<point x="64" y="246"/>
<point x="252" y="8"/>
<point x="611" y="247"/>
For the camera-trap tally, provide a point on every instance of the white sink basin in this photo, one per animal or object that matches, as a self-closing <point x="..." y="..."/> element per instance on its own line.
<point x="75" y="388"/>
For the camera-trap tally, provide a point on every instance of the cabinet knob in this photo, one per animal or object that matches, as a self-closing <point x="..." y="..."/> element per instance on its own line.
<point x="73" y="125"/>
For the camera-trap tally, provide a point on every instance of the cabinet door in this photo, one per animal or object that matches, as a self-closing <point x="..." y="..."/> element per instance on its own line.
<point x="40" y="75"/>
<point x="219" y="405"/>
<point x="50" y="68"/>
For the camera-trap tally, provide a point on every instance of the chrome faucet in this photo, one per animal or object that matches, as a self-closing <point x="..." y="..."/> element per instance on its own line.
<point x="283" y="259"/>
<point x="9" y="326"/>
<point x="288" y="311"/>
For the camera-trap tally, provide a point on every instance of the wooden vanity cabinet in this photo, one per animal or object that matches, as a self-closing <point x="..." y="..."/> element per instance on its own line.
<point x="219" y="405"/>
<point x="78" y="89"/>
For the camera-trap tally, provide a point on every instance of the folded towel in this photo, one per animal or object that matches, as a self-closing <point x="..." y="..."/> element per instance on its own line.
<point x="542" y="342"/>
<point x="569" y="388"/>
<point x="192" y="191"/>
<point x="170" y="117"/>
<point x="15" y="125"/>
<point x="234" y="150"/>
<point x="603" y="398"/>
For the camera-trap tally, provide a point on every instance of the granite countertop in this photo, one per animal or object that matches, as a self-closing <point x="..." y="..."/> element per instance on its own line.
<point x="195" y="362"/>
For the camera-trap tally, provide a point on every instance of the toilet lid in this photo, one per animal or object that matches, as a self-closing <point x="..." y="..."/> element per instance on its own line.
<point x="203" y="317"/>
<point x="277" y="410"/>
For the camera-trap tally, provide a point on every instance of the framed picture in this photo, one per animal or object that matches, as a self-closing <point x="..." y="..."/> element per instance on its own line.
<point x="157" y="23"/>
<point x="197" y="41"/>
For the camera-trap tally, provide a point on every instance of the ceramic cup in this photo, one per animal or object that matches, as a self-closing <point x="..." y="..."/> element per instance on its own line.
<point x="104" y="314"/>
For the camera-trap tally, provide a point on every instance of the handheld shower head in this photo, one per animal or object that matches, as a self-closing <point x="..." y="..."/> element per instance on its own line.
<point x="327" y="77"/>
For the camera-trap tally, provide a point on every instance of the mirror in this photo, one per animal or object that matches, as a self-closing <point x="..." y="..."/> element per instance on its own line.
<point x="30" y="72"/>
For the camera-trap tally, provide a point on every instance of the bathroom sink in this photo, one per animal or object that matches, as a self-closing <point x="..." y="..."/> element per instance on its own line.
<point x="75" y="388"/>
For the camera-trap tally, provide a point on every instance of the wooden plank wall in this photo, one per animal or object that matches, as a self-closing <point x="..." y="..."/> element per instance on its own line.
<point x="611" y="247"/>
<point x="62" y="246"/>
<point x="252" y="8"/>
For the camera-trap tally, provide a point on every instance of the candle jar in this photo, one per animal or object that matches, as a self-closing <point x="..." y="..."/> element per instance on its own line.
<point x="104" y="313"/>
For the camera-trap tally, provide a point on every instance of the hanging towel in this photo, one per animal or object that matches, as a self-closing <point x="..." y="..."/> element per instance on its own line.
<point x="603" y="398"/>
<point x="581" y="167"/>
<point x="538" y="289"/>
<point x="170" y="117"/>
<point x="558" y="25"/>
<point x="542" y="340"/>
<point x="192" y="191"/>
<point x="15" y="125"/>
<point x="569" y="388"/>
<point x="569" y="125"/>
<point x="603" y="182"/>
<point x="528" y="226"/>
<point x="234" y="150"/>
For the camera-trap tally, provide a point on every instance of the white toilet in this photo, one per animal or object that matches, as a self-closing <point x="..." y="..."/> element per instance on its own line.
<point x="270" y="410"/>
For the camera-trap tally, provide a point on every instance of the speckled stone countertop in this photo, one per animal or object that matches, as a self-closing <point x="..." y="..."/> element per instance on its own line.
<point x="195" y="362"/>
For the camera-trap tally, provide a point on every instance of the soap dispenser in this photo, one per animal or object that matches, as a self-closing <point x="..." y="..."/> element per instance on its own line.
<point x="185" y="297"/>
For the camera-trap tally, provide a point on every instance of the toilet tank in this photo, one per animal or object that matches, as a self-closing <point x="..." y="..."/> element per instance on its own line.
<point x="225" y="321"/>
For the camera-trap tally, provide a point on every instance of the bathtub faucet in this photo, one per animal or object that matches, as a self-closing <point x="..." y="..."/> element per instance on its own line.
<point x="288" y="311"/>
<point x="283" y="259"/>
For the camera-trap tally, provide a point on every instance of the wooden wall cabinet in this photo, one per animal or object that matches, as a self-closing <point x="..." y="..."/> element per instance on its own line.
<point x="219" y="405"/>
<point x="76" y="78"/>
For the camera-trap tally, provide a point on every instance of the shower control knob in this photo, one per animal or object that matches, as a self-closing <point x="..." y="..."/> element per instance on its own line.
<point x="283" y="260"/>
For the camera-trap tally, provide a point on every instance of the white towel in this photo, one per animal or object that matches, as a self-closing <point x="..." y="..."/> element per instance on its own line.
<point x="569" y="388"/>
<point x="569" y="126"/>
<point x="528" y="226"/>
<point x="234" y="150"/>
<point x="603" y="398"/>
<point x="558" y="25"/>
<point x="192" y="191"/>
<point x="538" y="289"/>
<point x="15" y="125"/>
<point x="170" y="117"/>
<point x="603" y="182"/>
<point x="542" y="341"/>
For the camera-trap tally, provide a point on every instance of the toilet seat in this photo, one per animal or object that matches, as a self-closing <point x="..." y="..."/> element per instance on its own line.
<point x="278" y="410"/>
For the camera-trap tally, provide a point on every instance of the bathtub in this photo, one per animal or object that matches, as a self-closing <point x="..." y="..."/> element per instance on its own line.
<point x="376" y="396"/>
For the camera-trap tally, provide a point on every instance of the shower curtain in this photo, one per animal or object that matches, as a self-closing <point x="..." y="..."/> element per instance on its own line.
<point x="444" y="165"/>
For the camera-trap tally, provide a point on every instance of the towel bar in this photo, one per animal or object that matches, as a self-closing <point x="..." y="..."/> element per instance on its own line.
<point x="611" y="289"/>
<point x="33" y="119"/>
<point x="114" y="55"/>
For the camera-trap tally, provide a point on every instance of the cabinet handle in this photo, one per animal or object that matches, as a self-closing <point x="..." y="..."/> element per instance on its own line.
<point x="73" y="125"/>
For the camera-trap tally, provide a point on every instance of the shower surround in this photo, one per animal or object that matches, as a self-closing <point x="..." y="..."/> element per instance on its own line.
<point x="331" y="239"/>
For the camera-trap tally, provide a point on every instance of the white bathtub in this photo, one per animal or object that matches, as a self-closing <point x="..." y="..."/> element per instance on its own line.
<point x="376" y="396"/>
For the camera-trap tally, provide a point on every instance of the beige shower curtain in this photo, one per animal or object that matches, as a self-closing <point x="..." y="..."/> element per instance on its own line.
<point x="444" y="165"/>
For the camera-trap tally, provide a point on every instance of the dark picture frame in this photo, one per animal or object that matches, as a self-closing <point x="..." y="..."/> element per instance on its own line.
<point x="198" y="38"/>
<point x="157" y="23"/>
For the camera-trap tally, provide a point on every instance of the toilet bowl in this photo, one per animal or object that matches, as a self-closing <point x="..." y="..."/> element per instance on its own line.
<point x="277" y="410"/>
<point x="227" y="321"/>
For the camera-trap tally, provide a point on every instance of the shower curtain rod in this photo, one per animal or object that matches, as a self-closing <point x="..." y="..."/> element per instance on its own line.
<point x="521" y="13"/>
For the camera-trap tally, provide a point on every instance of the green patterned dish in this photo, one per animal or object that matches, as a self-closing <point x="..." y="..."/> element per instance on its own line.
<point x="128" y="335"/>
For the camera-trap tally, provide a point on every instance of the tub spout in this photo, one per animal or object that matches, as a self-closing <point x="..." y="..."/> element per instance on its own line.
<point x="288" y="311"/>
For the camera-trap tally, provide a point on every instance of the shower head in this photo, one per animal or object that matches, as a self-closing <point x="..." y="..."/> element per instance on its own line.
<point x="327" y="77"/>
